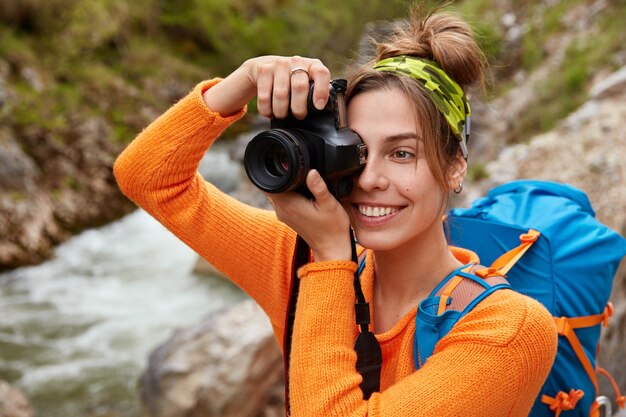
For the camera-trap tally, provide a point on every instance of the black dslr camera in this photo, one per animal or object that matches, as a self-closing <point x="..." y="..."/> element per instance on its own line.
<point x="278" y="160"/>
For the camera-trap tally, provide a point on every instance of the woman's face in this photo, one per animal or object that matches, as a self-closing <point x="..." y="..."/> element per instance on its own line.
<point x="396" y="200"/>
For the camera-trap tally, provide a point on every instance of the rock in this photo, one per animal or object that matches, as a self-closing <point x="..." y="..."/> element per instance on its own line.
<point x="13" y="403"/>
<point x="202" y="267"/>
<point x="27" y="228"/>
<point x="583" y="151"/>
<point x="5" y="93"/>
<point x="612" y="347"/>
<point x="33" y="78"/>
<point x="52" y="189"/>
<point x="620" y="413"/>
<point x="227" y="365"/>
<point x="613" y="85"/>
<point x="17" y="170"/>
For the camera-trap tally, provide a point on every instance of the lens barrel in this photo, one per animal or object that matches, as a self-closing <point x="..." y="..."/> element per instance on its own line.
<point x="277" y="160"/>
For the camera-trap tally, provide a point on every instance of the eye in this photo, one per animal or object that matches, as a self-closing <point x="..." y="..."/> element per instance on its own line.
<point x="402" y="154"/>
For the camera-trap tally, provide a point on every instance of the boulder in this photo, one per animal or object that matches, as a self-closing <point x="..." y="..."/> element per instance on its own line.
<point x="13" y="403"/>
<point x="227" y="365"/>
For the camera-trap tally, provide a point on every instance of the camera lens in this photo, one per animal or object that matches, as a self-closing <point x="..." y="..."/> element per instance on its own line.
<point x="277" y="160"/>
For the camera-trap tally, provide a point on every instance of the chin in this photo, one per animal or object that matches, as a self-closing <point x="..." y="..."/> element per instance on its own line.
<point x="376" y="243"/>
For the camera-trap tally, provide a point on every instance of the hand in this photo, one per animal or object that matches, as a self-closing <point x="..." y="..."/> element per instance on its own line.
<point x="278" y="87"/>
<point x="322" y="222"/>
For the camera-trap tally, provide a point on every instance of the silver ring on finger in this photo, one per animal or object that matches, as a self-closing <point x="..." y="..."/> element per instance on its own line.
<point x="295" y="70"/>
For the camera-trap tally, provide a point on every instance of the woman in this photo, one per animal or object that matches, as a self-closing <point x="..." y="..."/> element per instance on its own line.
<point x="493" y="361"/>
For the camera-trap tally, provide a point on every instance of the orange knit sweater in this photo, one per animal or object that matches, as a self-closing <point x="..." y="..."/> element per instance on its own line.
<point x="492" y="363"/>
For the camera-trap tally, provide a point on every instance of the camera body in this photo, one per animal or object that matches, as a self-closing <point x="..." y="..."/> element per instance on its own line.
<point x="278" y="160"/>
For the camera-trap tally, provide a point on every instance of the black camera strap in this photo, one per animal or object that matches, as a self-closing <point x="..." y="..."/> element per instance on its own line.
<point x="369" y="355"/>
<point x="301" y="256"/>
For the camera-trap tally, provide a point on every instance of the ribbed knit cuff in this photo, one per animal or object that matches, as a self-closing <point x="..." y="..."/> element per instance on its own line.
<point x="328" y="269"/>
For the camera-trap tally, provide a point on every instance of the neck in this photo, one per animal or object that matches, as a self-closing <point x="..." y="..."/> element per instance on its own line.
<point x="408" y="274"/>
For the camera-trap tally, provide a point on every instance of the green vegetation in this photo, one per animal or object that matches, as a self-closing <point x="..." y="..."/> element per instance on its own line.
<point x="559" y="96"/>
<point x="223" y="33"/>
<point x="586" y="53"/>
<point x="17" y="196"/>
<point x="581" y="43"/>
<point x="477" y="172"/>
<point x="126" y="61"/>
<point x="71" y="182"/>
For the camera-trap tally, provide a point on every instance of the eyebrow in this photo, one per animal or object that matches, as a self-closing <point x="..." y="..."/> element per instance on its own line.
<point x="401" y="136"/>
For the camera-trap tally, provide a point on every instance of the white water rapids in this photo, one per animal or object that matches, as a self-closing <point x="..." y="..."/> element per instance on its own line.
<point x="76" y="331"/>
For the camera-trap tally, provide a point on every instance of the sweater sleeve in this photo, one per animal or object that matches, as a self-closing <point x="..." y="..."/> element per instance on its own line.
<point x="493" y="362"/>
<point x="159" y="172"/>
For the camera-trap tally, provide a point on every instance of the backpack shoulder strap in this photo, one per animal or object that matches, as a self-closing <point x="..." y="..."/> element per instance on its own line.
<point x="458" y="294"/>
<point x="452" y="299"/>
<point x="467" y="288"/>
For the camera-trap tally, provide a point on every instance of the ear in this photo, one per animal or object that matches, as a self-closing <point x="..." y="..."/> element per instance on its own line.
<point x="457" y="172"/>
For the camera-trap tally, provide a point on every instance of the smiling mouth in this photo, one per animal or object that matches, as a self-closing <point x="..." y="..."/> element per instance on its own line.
<point x="369" y="211"/>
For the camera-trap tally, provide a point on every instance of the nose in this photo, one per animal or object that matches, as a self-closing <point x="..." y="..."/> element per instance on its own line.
<point x="373" y="176"/>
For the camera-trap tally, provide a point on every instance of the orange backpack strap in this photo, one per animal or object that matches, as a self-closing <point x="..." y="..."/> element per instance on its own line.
<point x="563" y="401"/>
<point x="565" y="327"/>
<point x="619" y="398"/>
<point x="507" y="260"/>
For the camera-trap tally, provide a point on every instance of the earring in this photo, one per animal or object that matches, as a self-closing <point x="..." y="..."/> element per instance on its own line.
<point x="458" y="189"/>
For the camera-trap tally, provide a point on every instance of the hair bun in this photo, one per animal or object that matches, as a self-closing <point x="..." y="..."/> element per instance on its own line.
<point x="441" y="37"/>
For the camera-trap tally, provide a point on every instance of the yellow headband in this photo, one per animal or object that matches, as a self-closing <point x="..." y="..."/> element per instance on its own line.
<point x="446" y="94"/>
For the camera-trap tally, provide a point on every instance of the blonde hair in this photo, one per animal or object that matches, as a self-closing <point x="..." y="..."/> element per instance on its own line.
<point x="447" y="40"/>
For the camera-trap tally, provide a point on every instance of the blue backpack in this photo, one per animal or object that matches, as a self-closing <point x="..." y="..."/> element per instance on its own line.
<point x="566" y="260"/>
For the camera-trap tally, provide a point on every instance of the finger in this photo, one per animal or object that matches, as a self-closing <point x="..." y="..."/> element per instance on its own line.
<point x="265" y="85"/>
<point x="320" y="75"/>
<point x="281" y="89"/>
<point x="299" y="92"/>
<point x="318" y="188"/>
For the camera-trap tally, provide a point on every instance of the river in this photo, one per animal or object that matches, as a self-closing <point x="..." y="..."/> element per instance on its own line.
<point x="76" y="331"/>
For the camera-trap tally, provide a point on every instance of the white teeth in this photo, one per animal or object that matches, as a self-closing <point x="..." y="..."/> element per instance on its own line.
<point x="376" y="211"/>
